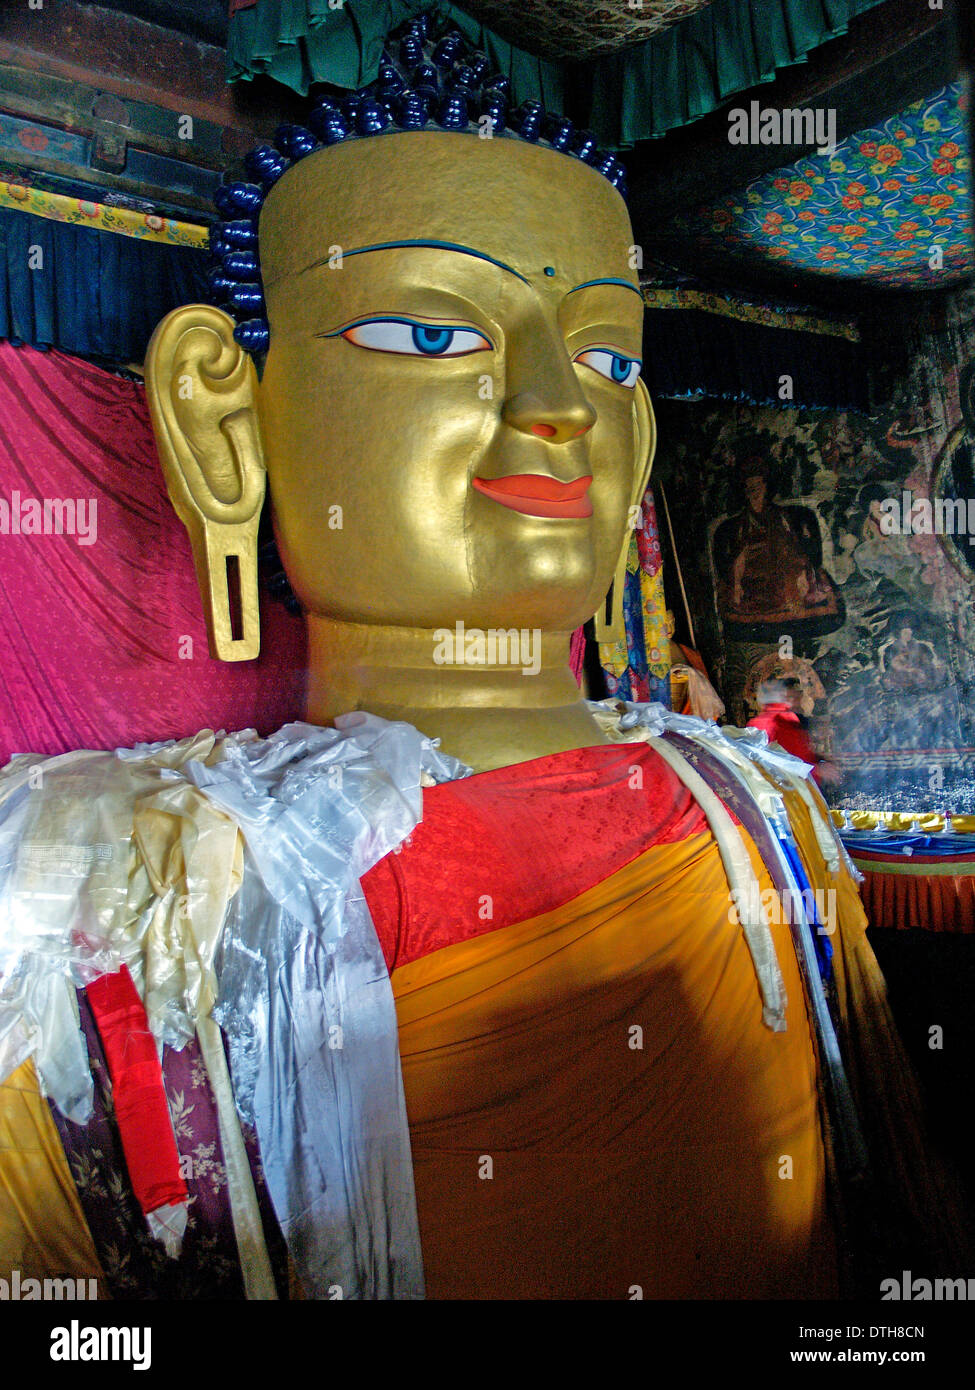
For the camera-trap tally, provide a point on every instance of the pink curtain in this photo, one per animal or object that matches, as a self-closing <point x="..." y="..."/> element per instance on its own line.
<point x="93" y="625"/>
<point x="577" y="653"/>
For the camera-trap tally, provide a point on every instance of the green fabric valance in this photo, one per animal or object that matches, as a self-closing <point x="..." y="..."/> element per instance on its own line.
<point x="694" y="67"/>
<point x="674" y="77"/>
<point x="299" y="42"/>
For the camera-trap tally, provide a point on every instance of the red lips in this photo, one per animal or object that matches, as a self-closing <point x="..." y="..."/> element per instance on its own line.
<point x="535" y="494"/>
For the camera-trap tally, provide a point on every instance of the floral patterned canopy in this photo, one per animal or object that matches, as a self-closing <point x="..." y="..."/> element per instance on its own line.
<point x="875" y="209"/>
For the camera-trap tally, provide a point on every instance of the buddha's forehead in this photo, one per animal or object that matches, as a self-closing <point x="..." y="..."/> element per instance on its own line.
<point x="525" y="206"/>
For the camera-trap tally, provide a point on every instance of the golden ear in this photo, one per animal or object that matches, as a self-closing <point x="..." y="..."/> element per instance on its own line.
<point x="644" y="448"/>
<point x="202" y="389"/>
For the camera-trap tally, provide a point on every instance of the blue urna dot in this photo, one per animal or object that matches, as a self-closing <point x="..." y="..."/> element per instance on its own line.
<point x="550" y="270"/>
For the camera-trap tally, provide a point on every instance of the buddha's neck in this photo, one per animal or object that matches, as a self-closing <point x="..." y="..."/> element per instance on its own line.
<point x="490" y="706"/>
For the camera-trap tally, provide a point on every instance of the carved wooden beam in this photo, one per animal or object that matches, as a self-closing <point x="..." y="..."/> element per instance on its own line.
<point x="99" y="98"/>
<point x="136" y="61"/>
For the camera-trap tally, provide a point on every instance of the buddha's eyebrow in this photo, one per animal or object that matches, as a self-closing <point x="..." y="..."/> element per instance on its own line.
<point x="611" y="281"/>
<point x="437" y="245"/>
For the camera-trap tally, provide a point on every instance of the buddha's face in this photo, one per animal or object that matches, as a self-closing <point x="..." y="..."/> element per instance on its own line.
<point x="448" y="404"/>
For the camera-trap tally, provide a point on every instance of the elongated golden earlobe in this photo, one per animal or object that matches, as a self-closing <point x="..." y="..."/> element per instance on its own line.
<point x="202" y="389"/>
<point x="644" y="448"/>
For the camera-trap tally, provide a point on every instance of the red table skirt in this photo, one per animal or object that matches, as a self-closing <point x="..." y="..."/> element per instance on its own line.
<point x="926" y="898"/>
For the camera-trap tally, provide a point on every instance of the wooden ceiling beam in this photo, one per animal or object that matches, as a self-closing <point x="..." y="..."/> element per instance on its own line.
<point x="132" y="59"/>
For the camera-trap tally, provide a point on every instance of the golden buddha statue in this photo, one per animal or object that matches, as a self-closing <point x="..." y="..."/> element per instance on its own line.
<point x="454" y="432"/>
<point x="612" y="1083"/>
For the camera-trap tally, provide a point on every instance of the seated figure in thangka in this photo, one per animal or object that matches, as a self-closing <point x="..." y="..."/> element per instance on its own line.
<point x="466" y="987"/>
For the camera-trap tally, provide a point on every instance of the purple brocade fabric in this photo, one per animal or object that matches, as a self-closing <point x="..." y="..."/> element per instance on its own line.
<point x="135" y="1265"/>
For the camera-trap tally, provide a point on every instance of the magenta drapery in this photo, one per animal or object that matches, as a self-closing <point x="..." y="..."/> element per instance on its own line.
<point x="577" y="653"/>
<point x="94" y="625"/>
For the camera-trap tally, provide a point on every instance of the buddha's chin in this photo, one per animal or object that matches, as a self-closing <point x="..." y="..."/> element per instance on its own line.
<point x="551" y="588"/>
<point x="552" y="584"/>
<point x="551" y="592"/>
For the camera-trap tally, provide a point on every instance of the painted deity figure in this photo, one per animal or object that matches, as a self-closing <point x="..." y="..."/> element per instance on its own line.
<point x="770" y="565"/>
<point x="908" y="664"/>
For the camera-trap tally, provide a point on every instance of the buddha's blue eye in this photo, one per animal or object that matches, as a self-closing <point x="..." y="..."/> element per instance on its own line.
<point x="432" y="340"/>
<point x="415" y="339"/>
<point x="623" y="370"/>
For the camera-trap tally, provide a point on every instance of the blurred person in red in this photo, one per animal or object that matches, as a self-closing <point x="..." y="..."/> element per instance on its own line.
<point x="780" y="718"/>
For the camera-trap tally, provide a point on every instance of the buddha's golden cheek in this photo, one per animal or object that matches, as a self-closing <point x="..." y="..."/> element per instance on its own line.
<point x="370" y="461"/>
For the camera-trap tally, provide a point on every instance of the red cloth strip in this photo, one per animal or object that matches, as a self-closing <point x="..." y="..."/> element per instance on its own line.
<point x="915" y="863"/>
<point x="141" y="1111"/>
<point x="511" y="844"/>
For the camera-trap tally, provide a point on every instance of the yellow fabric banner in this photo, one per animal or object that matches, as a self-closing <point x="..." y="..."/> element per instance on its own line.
<point x="147" y="226"/>
<point x="43" y="1232"/>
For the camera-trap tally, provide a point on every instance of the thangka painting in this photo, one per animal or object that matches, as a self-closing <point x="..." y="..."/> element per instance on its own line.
<point x="767" y="557"/>
<point x="840" y="548"/>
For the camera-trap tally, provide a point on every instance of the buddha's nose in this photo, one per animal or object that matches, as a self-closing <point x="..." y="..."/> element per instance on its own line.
<point x="555" y="420"/>
<point x="543" y="396"/>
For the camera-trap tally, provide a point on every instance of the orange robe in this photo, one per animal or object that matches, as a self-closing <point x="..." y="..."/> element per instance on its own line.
<point x="597" y="1110"/>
